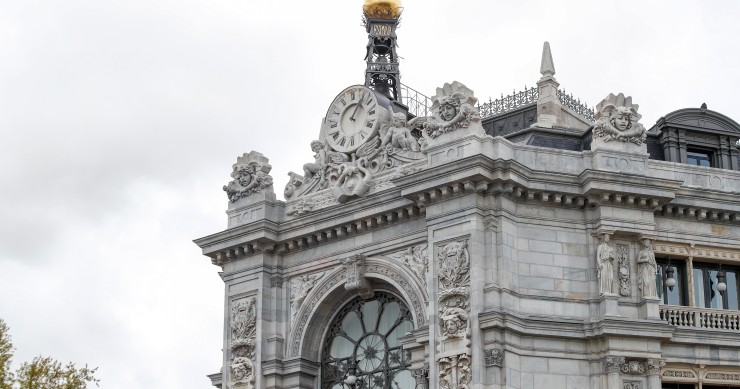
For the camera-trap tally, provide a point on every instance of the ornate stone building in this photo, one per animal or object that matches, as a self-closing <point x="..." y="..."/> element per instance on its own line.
<point x="527" y="242"/>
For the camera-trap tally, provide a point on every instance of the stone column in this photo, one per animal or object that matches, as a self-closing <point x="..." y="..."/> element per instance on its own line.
<point x="421" y="375"/>
<point x="653" y="371"/>
<point x="682" y="157"/>
<point x="612" y="367"/>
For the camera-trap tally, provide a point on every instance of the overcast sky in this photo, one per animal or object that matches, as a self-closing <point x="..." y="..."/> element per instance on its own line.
<point x="120" y="122"/>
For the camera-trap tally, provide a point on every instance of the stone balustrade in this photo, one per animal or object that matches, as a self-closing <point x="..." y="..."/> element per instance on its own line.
<point x="700" y="317"/>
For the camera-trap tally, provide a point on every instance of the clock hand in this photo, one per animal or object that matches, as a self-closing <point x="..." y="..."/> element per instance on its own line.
<point x="352" y="118"/>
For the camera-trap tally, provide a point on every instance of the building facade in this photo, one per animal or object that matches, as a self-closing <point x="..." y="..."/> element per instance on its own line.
<point x="527" y="242"/>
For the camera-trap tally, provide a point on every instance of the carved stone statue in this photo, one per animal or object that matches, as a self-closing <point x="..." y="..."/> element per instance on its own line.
<point x="647" y="269"/>
<point x="398" y="135"/>
<point x="249" y="175"/>
<point x="319" y="165"/>
<point x="355" y="179"/>
<point x="605" y="266"/>
<point x="617" y="119"/>
<point x="453" y="108"/>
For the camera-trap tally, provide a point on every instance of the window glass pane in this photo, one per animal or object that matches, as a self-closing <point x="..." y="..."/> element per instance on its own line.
<point x="403" y="380"/>
<point x="351" y="326"/>
<point x="698" y="158"/>
<point x="699" y="288"/>
<point x="732" y="290"/>
<point x="389" y="317"/>
<point x="370" y="315"/>
<point x="341" y="347"/>
<point x="715" y="299"/>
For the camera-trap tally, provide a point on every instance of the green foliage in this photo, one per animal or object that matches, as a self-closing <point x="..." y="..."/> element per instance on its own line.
<point x="6" y="356"/>
<point x="41" y="372"/>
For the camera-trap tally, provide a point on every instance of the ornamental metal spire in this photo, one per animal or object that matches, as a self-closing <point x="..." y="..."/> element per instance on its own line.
<point x="547" y="67"/>
<point x="381" y="18"/>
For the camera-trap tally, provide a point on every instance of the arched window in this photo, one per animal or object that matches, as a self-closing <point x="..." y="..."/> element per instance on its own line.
<point x="362" y="342"/>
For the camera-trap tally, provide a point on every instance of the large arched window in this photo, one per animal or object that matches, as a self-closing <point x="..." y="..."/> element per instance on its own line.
<point x="363" y="342"/>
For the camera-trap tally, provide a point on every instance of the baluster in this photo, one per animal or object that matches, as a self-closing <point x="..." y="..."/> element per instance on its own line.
<point x="701" y="319"/>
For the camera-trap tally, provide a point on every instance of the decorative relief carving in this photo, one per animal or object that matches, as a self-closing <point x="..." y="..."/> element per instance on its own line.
<point x="299" y="325"/>
<point x="605" y="266"/>
<point x="654" y="365"/>
<point x="243" y="337"/>
<point x="617" y="119"/>
<point x="249" y="175"/>
<point x="632" y="385"/>
<point x="633" y="367"/>
<point x="356" y="281"/>
<point x="722" y="376"/>
<point x="613" y="363"/>
<point x="416" y="259"/>
<point x="454" y="282"/>
<point x="454" y="372"/>
<point x="683" y="250"/>
<point x="623" y="271"/>
<point x="490" y="223"/>
<point x="679" y="374"/>
<point x="453" y="107"/>
<point x="299" y="288"/>
<point x="276" y="281"/>
<point x="394" y="275"/>
<point x="647" y="268"/>
<point x="421" y="376"/>
<point x="494" y="356"/>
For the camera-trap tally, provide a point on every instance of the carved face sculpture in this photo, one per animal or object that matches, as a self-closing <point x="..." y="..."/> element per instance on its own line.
<point x="621" y="119"/>
<point x="447" y="112"/>
<point x="452" y="325"/>
<point x="244" y="174"/>
<point x="606" y="238"/>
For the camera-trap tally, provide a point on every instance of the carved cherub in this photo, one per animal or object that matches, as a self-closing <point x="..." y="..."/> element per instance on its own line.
<point x="398" y="135"/>
<point x="320" y="163"/>
<point x="454" y="322"/>
<point x="617" y="119"/>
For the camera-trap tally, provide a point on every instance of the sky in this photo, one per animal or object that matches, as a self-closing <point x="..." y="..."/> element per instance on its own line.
<point x="119" y="123"/>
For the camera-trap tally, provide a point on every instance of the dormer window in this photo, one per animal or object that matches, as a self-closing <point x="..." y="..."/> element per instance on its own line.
<point x="699" y="157"/>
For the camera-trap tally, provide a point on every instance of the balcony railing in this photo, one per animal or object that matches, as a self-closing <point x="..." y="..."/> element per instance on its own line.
<point x="700" y="317"/>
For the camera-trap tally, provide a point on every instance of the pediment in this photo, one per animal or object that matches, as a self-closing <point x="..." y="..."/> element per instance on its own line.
<point x="701" y="120"/>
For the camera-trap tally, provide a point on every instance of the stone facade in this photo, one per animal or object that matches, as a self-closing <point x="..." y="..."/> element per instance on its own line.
<point x="518" y="266"/>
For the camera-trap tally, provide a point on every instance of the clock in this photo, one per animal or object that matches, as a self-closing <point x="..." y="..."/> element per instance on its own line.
<point x="354" y="118"/>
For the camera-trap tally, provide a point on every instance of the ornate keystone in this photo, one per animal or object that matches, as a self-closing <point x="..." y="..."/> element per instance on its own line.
<point x="355" y="268"/>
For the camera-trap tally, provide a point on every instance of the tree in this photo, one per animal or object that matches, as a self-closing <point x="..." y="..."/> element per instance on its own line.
<point x="41" y="372"/>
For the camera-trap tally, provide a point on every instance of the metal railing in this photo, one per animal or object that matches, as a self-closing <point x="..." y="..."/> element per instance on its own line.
<point x="576" y="106"/>
<point x="418" y="103"/>
<point x="508" y="103"/>
<point x="700" y="317"/>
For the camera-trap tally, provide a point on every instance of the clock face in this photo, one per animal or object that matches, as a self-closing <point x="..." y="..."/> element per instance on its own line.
<point x="352" y="119"/>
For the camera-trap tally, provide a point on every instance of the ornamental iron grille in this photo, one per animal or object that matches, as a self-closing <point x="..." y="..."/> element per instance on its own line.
<point x="508" y="103"/>
<point x="576" y="106"/>
<point x="363" y="341"/>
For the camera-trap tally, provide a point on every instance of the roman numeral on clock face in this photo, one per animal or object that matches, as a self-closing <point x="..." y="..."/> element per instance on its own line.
<point x="334" y="135"/>
<point x="369" y="124"/>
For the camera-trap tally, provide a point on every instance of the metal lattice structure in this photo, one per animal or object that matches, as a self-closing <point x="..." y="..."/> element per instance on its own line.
<point x="508" y="103"/>
<point x="576" y="106"/>
<point x="419" y="104"/>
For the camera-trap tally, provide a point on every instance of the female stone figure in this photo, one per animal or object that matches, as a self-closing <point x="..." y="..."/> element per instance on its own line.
<point x="647" y="269"/>
<point x="605" y="266"/>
